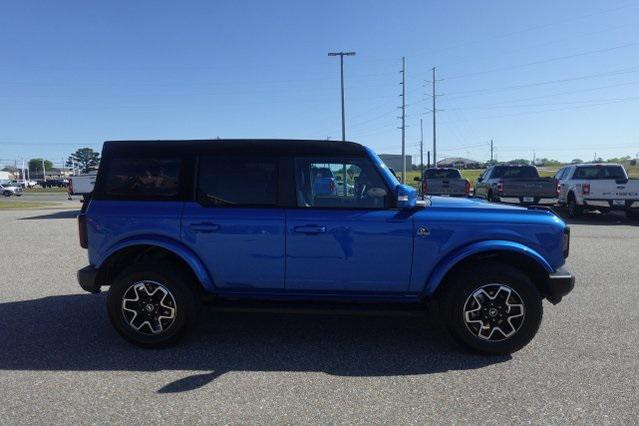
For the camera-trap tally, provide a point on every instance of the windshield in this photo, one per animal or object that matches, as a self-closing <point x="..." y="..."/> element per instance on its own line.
<point x="515" y="172"/>
<point x="600" y="172"/>
<point x="442" y="174"/>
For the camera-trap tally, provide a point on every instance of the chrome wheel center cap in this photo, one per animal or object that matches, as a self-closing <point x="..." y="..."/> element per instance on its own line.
<point x="149" y="307"/>
<point x="492" y="312"/>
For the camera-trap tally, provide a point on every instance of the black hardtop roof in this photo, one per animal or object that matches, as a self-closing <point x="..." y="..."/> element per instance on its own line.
<point x="239" y="146"/>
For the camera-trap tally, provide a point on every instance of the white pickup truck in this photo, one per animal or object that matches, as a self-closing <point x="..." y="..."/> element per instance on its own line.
<point x="602" y="187"/>
<point x="81" y="185"/>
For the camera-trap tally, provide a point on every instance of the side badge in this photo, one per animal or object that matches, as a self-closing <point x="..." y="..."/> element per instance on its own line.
<point x="422" y="231"/>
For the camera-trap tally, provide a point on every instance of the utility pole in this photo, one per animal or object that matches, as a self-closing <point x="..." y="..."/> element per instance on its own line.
<point x="421" y="149"/>
<point x="44" y="171"/>
<point x="428" y="160"/>
<point x="341" y="69"/>
<point x="403" y="107"/>
<point x="491" y="151"/>
<point x="434" y="122"/>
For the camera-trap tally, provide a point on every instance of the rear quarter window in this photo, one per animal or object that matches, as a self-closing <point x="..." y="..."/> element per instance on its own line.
<point x="143" y="178"/>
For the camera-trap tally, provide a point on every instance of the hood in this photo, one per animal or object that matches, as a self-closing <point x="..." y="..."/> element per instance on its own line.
<point x="468" y="203"/>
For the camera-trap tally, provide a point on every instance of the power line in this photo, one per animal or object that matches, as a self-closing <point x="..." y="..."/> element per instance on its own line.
<point x="477" y="92"/>
<point x="545" y="61"/>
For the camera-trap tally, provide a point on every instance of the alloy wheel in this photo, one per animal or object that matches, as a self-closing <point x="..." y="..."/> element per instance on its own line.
<point x="149" y="307"/>
<point x="494" y="312"/>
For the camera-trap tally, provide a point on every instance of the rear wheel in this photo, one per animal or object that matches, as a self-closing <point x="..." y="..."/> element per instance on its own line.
<point x="151" y="305"/>
<point x="574" y="209"/>
<point x="7" y="193"/>
<point x="492" y="309"/>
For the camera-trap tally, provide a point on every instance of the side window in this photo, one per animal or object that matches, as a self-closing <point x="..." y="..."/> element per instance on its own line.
<point x="560" y="173"/>
<point x="349" y="183"/>
<point x="486" y="174"/>
<point x="143" y="177"/>
<point x="225" y="180"/>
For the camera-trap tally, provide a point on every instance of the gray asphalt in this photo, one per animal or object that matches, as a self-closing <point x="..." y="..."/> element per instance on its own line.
<point x="60" y="361"/>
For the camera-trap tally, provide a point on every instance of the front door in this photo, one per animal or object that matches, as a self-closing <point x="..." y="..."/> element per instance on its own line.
<point x="235" y="225"/>
<point x="344" y="236"/>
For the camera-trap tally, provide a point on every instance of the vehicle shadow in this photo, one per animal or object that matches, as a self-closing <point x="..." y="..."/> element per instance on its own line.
<point x="64" y="214"/>
<point x="72" y="333"/>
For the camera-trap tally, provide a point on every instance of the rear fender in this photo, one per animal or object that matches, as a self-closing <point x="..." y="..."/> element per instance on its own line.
<point x="452" y="259"/>
<point x="176" y="247"/>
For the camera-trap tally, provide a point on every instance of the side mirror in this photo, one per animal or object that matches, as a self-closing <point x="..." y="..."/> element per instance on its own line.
<point x="480" y="179"/>
<point x="416" y="179"/>
<point x="406" y="197"/>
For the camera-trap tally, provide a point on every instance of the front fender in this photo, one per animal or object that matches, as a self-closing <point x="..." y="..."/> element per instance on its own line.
<point x="169" y="244"/>
<point x="451" y="259"/>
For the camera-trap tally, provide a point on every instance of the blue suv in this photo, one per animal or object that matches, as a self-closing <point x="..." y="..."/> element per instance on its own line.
<point x="171" y="224"/>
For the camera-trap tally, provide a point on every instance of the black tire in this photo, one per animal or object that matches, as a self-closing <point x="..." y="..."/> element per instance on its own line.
<point x="632" y="214"/>
<point x="574" y="209"/>
<point x="180" y="287"/>
<point x="7" y="193"/>
<point x="490" y="197"/>
<point x="457" y="297"/>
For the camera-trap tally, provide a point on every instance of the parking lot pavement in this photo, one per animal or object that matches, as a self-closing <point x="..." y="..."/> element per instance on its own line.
<point x="61" y="362"/>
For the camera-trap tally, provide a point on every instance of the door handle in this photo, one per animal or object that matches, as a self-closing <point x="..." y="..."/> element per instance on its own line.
<point x="310" y="229"/>
<point x="204" y="227"/>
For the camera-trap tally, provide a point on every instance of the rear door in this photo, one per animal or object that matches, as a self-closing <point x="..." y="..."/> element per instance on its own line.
<point x="347" y="242"/>
<point x="235" y="224"/>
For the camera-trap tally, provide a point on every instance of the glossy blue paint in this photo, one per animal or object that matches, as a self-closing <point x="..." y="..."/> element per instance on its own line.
<point x="321" y="253"/>
<point x="243" y="248"/>
<point x="348" y="250"/>
<point x="462" y="227"/>
<point x="406" y="197"/>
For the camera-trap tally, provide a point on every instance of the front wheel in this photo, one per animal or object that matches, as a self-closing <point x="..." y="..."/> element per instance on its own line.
<point x="491" y="308"/>
<point x="7" y="193"/>
<point x="152" y="305"/>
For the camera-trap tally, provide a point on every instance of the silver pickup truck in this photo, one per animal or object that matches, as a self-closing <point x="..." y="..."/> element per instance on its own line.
<point x="447" y="182"/>
<point x="517" y="184"/>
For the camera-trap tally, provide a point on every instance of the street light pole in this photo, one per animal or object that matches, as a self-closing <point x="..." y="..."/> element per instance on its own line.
<point x="341" y="69"/>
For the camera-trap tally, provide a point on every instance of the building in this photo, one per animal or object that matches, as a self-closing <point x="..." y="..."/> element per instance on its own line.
<point x="394" y="161"/>
<point x="460" y="163"/>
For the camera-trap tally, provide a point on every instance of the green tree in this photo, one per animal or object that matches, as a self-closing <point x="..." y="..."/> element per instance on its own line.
<point x="35" y="166"/>
<point x="85" y="159"/>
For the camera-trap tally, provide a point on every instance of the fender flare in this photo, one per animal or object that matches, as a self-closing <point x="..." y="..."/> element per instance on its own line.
<point x="450" y="260"/>
<point x="174" y="246"/>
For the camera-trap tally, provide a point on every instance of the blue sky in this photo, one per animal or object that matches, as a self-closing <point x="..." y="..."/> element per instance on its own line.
<point x="557" y="78"/>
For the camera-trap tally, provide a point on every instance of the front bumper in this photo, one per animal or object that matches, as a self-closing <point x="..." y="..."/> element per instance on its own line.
<point x="560" y="283"/>
<point x="87" y="279"/>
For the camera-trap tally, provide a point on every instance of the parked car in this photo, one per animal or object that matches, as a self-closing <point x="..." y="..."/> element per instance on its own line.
<point x="170" y="227"/>
<point x="516" y="184"/>
<point x="8" y="189"/>
<point x="446" y="182"/>
<point x="323" y="181"/>
<point x="24" y="183"/>
<point x="601" y="187"/>
<point x="81" y="185"/>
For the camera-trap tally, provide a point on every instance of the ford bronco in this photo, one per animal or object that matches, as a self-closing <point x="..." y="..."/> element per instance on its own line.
<point x="173" y="223"/>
